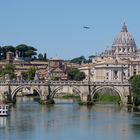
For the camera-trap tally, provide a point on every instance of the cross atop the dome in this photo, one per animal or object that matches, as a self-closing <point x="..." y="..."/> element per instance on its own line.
<point x="124" y="28"/>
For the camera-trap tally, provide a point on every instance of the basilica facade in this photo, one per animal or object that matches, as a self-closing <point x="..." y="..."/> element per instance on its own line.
<point x="117" y="63"/>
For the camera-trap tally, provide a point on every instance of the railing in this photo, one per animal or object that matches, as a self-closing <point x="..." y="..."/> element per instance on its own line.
<point x="63" y="83"/>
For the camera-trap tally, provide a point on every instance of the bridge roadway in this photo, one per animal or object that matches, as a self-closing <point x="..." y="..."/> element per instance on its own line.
<point x="48" y="89"/>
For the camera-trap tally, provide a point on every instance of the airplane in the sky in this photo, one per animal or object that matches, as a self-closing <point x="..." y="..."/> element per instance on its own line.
<point x="86" y="27"/>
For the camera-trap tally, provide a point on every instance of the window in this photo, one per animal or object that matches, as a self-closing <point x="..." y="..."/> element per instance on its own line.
<point x="107" y="74"/>
<point x="115" y="74"/>
<point x="134" y="73"/>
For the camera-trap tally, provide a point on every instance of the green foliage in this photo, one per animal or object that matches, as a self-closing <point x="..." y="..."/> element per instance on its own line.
<point x="9" y="48"/>
<point x="23" y="49"/>
<point x="24" y="75"/>
<point x="107" y="98"/>
<point x="6" y="49"/>
<point x="45" y="56"/>
<point x="30" y="53"/>
<point x="40" y="57"/>
<point x="78" y="60"/>
<point x="26" y="51"/>
<point x="30" y="74"/>
<point x="0" y="52"/>
<point x="91" y="56"/>
<point x="75" y="74"/>
<point x="8" y="69"/>
<point x="135" y="84"/>
<point x="70" y="96"/>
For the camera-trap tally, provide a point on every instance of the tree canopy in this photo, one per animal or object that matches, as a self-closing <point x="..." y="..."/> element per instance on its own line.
<point x="29" y="74"/>
<point x="135" y="84"/>
<point x="26" y="51"/>
<point x="22" y="49"/>
<point x="8" y="69"/>
<point x="82" y="59"/>
<point x="78" y="60"/>
<point x="75" y="74"/>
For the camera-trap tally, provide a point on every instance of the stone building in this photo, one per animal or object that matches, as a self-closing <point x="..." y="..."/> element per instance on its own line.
<point x="22" y="65"/>
<point x="56" y="69"/>
<point x="117" y="63"/>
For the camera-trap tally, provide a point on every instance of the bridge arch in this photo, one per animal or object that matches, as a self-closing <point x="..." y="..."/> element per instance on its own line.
<point x="74" y="89"/>
<point x="98" y="88"/>
<point x="15" y="91"/>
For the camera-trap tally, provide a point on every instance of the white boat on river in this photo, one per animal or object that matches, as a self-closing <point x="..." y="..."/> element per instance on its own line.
<point x="4" y="109"/>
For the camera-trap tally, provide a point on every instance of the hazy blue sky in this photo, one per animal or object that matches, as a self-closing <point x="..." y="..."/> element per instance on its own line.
<point x="56" y="26"/>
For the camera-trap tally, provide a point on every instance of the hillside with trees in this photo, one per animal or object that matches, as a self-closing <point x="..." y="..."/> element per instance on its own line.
<point x="23" y="50"/>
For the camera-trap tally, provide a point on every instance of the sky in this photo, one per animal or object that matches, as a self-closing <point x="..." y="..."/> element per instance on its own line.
<point x="55" y="27"/>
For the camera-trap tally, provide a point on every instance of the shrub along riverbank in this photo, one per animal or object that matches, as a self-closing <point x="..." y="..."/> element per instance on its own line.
<point x="68" y="96"/>
<point x="107" y="98"/>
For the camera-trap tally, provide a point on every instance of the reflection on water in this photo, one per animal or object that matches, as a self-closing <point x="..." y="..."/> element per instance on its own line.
<point x="3" y="122"/>
<point x="29" y="120"/>
<point x="67" y="101"/>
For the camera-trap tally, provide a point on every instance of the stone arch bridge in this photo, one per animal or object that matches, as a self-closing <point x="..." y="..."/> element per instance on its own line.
<point x="47" y="90"/>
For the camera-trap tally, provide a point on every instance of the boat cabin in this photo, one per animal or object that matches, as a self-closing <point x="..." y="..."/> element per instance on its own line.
<point x="4" y="109"/>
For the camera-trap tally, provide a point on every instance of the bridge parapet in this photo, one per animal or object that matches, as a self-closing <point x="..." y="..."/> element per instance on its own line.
<point x="64" y="83"/>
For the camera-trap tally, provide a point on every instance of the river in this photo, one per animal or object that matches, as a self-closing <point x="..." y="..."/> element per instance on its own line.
<point x="67" y="120"/>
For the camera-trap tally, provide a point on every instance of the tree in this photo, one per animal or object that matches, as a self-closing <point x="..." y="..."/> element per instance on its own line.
<point x="30" y="53"/>
<point x="80" y="76"/>
<point x="45" y="56"/>
<point x="75" y="74"/>
<point x="8" y="69"/>
<point x="90" y="58"/>
<point x="40" y="57"/>
<point x="0" y="52"/>
<point x="6" y="49"/>
<point x="22" y="48"/>
<point x="30" y="74"/>
<point x="135" y="84"/>
<point x="24" y="75"/>
<point x="26" y="51"/>
<point x="78" y="60"/>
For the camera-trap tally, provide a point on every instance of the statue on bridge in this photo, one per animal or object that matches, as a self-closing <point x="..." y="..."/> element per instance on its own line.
<point x="36" y="78"/>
